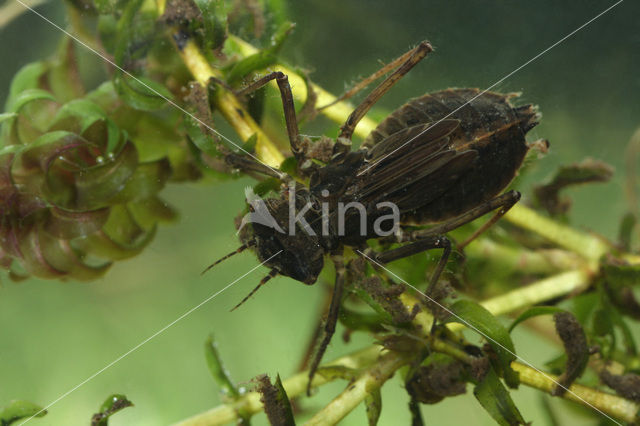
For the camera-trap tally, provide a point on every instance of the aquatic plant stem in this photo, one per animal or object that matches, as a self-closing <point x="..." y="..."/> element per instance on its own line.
<point x="337" y="113"/>
<point x="588" y="246"/>
<point x="368" y="381"/>
<point x="295" y="385"/>
<point x="229" y="106"/>
<point x="379" y="366"/>
<point x="612" y="405"/>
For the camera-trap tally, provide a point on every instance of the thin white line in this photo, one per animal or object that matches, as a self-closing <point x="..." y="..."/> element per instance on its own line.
<point x="489" y="338"/>
<point x="145" y="85"/>
<point x="496" y="83"/>
<point x="73" y="389"/>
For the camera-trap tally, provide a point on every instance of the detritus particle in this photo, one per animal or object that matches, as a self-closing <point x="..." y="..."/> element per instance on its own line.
<point x="178" y="12"/>
<point x="432" y="383"/>
<point x="575" y="345"/>
<point x="387" y="297"/>
<point x="625" y="385"/>
<point x="278" y="411"/>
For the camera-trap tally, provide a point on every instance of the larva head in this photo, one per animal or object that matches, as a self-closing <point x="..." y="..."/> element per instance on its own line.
<point x="284" y="245"/>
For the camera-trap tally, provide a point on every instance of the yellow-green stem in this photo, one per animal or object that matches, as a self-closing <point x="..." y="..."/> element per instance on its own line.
<point x="378" y="369"/>
<point x="337" y="112"/>
<point x="294" y="386"/>
<point x="368" y="381"/>
<point x="521" y="260"/>
<point x="229" y="106"/>
<point x="588" y="246"/>
<point x="537" y="292"/>
<point x="612" y="405"/>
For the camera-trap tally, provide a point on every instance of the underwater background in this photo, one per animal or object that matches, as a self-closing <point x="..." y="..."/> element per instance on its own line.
<point x="53" y="335"/>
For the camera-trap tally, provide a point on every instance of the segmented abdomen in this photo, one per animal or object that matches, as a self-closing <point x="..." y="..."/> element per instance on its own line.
<point x="489" y="124"/>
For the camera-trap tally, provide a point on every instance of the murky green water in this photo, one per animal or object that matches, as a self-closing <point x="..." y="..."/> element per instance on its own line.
<point x="56" y="335"/>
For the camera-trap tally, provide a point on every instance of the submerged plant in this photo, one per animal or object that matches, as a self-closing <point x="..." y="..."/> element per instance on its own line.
<point x="82" y="167"/>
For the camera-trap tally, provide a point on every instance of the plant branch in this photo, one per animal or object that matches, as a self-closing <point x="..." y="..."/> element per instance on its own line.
<point x="11" y="10"/>
<point x="612" y="405"/>
<point x="588" y="246"/>
<point x="294" y="386"/>
<point x="537" y="292"/>
<point x="545" y="289"/>
<point x="377" y="366"/>
<point x="369" y="380"/>
<point x="337" y="112"/>
<point x="521" y="260"/>
<point x="229" y="106"/>
<point x="540" y="291"/>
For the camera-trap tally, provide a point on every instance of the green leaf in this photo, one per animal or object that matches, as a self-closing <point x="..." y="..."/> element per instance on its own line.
<point x="261" y="189"/>
<point x="28" y="163"/>
<point x="108" y="31"/>
<point x="7" y="116"/>
<point x="552" y="419"/>
<point x="147" y="213"/>
<point x="627" y="335"/>
<point x="122" y="228"/>
<point x="58" y="254"/>
<point x="583" y="305"/>
<point x="101" y="185"/>
<point x="141" y="93"/>
<point x="86" y="118"/>
<point x="83" y="112"/>
<point x="481" y="320"/>
<point x="129" y="32"/>
<point x="534" y="312"/>
<point x="261" y="60"/>
<point x="11" y="149"/>
<point x="495" y="398"/>
<point x="147" y="180"/>
<point x="27" y="78"/>
<point x="333" y="372"/>
<point x="28" y="96"/>
<point x="625" y="231"/>
<point x="218" y="372"/>
<point x="63" y="76"/>
<point x="106" y="6"/>
<point x="277" y="10"/>
<point x="214" y="19"/>
<point x="362" y="321"/>
<point x="109" y="407"/>
<point x="201" y="136"/>
<point x="67" y="225"/>
<point x="602" y="322"/>
<point x="17" y="410"/>
<point x="618" y="281"/>
<point x="104" y="245"/>
<point x="290" y="166"/>
<point x="621" y="274"/>
<point x="373" y="404"/>
<point x="135" y="28"/>
<point x="250" y="144"/>
<point x="276" y="402"/>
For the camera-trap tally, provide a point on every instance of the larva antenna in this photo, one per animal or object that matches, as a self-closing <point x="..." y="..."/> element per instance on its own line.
<point x="262" y="282"/>
<point x="233" y="253"/>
